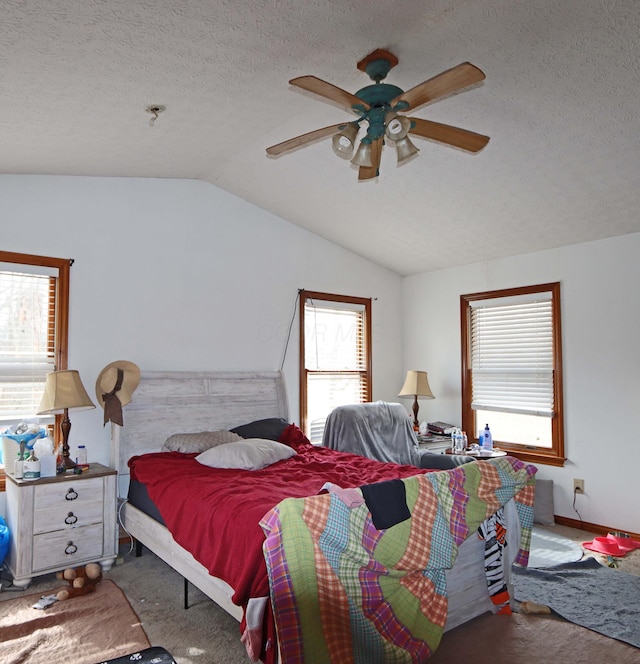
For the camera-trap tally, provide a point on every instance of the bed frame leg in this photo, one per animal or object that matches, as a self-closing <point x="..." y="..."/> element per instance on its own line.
<point x="138" y="549"/>
<point x="186" y="594"/>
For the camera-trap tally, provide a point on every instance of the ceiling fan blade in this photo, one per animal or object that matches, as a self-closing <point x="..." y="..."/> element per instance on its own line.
<point x="370" y="172"/>
<point x="459" y="138"/>
<point x="441" y="85"/>
<point x="303" y="139"/>
<point x="328" y="91"/>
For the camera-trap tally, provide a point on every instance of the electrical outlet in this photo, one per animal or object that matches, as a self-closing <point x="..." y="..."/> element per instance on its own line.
<point x="578" y="486"/>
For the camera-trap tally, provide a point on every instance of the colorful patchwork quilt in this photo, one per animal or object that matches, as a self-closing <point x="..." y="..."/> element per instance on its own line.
<point x="345" y="591"/>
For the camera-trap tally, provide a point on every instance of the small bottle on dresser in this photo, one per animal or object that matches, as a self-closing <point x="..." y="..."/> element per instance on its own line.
<point x="82" y="455"/>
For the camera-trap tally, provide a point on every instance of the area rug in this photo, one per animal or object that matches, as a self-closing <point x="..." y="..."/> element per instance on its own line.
<point x="549" y="548"/>
<point x="586" y="593"/>
<point x="83" y="630"/>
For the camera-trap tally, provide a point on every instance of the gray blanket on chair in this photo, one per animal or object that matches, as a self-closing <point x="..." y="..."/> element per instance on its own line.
<point x="377" y="430"/>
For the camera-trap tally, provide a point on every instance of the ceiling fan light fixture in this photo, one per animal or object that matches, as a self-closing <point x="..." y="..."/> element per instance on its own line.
<point x="381" y="107"/>
<point x="397" y="126"/>
<point x="363" y="156"/>
<point x="344" y="141"/>
<point x="405" y="149"/>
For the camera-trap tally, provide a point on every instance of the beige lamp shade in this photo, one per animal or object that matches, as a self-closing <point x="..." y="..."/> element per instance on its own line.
<point x="63" y="390"/>
<point x="416" y="385"/>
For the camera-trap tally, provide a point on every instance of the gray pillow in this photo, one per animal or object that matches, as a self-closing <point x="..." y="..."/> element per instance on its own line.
<point x="543" y="507"/>
<point x="198" y="442"/>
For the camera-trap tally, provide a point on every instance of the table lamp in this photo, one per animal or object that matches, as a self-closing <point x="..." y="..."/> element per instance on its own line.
<point x="416" y="385"/>
<point x="64" y="391"/>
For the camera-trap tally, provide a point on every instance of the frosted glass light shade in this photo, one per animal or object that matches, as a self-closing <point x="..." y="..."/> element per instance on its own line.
<point x="405" y="149"/>
<point x="344" y="141"/>
<point x="363" y="156"/>
<point x="397" y="126"/>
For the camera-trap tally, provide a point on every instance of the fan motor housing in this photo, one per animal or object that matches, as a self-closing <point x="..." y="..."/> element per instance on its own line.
<point x="379" y="94"/>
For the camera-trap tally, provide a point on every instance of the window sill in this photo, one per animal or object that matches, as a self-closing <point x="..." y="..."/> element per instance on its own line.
<point x="546" y="457"/>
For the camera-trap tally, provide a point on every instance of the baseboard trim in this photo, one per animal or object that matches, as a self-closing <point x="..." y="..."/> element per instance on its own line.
<point x="591" y="527"/>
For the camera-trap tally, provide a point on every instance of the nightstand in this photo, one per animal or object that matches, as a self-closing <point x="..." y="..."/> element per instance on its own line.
<point x="60" y="522"/>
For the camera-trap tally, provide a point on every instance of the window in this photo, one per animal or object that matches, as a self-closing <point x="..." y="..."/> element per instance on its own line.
<point x="34" y="305"/>
<point x="335" y="356"/>
<point x="512" y="370"/>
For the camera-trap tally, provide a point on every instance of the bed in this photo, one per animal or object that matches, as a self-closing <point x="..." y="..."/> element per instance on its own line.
<point x="167" y="403"/>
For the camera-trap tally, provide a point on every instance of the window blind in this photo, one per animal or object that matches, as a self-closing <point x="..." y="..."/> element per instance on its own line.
<point x="512" y="355"/>
<point x="335" y="338"/>
<point x="335" y="359"/>
<point x="27" y="339"/>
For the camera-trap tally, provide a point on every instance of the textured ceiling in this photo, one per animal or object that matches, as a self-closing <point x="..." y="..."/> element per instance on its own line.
<point x="560" y="103"/>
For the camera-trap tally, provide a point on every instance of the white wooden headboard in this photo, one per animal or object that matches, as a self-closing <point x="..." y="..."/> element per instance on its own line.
<point x="167" y="402"/>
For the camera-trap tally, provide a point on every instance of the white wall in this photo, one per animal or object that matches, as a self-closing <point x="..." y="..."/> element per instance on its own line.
<point x="175" y="274"/>
<point x="601" y="355"/>
<point x="180" y="275"/>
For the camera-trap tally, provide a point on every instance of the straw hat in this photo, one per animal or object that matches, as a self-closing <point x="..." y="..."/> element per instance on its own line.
<point x="108" y="377"/>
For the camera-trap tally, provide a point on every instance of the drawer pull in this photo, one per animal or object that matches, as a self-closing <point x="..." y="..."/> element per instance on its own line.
<point x="70" y="549"/>
<point x="70" y="519"/>
<point x="71" y="495"/>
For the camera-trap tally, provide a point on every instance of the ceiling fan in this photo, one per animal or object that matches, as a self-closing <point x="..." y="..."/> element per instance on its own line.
<point x="379" y="106"/>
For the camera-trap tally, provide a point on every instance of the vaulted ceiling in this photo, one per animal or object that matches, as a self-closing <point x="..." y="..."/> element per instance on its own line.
<point x="560" y="103"/>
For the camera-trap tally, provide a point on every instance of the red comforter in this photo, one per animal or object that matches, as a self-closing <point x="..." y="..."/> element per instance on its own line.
<point x="214" y="513"/>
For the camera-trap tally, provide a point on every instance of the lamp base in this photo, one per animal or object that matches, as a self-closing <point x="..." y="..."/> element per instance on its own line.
<point x="68" y="463"/>
<point x="416" y="407"/>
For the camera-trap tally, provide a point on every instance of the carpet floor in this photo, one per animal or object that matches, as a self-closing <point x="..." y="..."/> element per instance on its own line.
<point x="82" y="630"/>
<point x="205" y="634"/>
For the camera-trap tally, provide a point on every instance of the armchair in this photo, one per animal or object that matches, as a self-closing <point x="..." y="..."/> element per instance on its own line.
<point x="382" y="431"/>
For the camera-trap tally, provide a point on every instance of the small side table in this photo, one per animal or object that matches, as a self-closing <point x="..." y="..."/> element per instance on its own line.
<point x="62" y="521"/>
<point x="482" y="454"/>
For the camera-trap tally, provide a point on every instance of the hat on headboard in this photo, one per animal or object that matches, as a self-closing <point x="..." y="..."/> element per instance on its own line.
<point x="114" y="387"/>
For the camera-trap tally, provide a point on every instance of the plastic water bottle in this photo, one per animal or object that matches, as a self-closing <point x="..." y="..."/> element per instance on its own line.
<point x="487" y="442"/>
<point x="454" y="441"/>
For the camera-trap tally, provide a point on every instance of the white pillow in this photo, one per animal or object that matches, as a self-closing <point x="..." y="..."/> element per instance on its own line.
<point x="247" y="454"/>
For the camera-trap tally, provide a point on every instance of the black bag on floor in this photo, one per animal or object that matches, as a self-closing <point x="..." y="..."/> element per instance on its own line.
<point x="153" y="655"/>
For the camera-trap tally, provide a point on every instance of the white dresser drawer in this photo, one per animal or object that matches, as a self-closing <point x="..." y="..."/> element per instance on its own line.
<point x="61" y="521"/>
<point x="62" y="549"/>
<point x="68" y="505"/>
